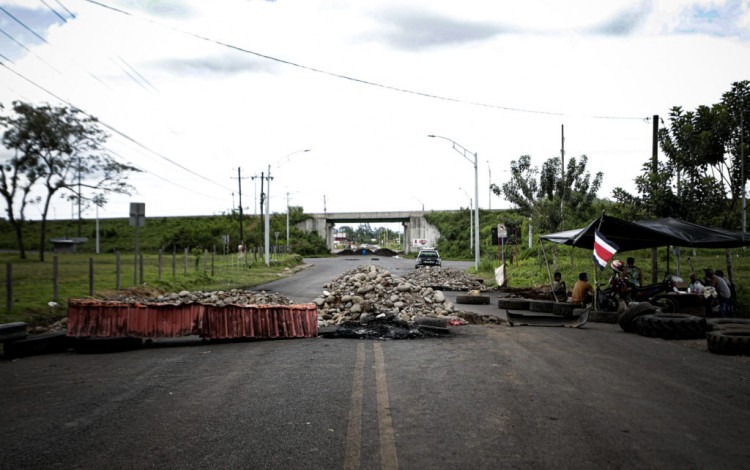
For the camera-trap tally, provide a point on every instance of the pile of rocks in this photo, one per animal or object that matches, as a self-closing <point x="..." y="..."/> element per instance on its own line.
<point x="218" y="298"/>
<point x="444" y="278"/>
<point x="371" y="292"/>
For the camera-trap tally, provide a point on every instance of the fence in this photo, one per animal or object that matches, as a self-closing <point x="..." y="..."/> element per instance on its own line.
<point x="34" y="284"/>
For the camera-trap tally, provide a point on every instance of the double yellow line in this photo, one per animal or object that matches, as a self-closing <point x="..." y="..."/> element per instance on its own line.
<point x="388" y="458"/>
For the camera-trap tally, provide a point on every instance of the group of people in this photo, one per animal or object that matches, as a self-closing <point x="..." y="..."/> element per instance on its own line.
<point x="626" y="276"/>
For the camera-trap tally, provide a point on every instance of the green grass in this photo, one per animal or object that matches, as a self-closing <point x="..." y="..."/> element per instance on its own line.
<point x="33" y="286"/>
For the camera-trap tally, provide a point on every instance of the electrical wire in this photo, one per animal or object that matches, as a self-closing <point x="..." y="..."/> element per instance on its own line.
<point x="347" y="77"/>
<point x="113" y="129"/>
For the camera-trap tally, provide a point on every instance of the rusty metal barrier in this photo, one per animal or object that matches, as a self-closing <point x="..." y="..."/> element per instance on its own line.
<point x="97" y="318"/>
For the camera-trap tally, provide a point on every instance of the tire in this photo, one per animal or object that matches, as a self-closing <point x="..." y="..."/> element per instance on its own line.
<point x="672" y="326"/>
<point x="13" y="331"/>
<point x="734" y="343"/>
<point x="626" y="320"/>
<point x="564" y="308"/>
<point x="513" y="304"/>
<point x="541" y="306"/>
<point x="45" y="343"/>
<point x="665" y="304"/>
<point x="721" y="324"/>
<point x="473" y="299"/>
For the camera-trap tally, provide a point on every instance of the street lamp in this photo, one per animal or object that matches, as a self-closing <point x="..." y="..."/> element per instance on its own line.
<point x="742" y="159"/>
<point x="471" y="221"/>
<point x="465" y="153"/>
<point x="267" y="231"/>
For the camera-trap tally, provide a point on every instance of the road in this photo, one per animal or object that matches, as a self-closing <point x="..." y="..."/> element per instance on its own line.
<point x="482" y="397"/>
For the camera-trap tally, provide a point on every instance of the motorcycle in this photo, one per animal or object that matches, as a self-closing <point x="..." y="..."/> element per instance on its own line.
<point x="608" y="299"/>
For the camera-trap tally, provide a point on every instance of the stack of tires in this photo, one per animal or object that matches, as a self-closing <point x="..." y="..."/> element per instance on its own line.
<point x="724" y="336"/>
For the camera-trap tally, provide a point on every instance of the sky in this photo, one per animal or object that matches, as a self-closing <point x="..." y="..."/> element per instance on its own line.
<point x="207" y="97"/>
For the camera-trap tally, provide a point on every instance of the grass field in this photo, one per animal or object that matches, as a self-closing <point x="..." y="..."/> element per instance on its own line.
<point x="40" y="290"/>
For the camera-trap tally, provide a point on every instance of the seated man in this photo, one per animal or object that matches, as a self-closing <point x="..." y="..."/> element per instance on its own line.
<point x="559" y="291"/>
<point x="583" y="292"/>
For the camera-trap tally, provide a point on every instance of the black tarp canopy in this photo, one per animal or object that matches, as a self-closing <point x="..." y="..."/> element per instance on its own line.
<point x="649" y="234"/>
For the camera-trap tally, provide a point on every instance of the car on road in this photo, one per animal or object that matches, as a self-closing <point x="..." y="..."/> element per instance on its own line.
<point x="428" y="258"/>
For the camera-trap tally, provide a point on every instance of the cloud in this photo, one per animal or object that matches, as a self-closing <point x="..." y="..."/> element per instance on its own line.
<point x="413" y="30"/>
<point x="213" y="65"/>
<point x="626" y="21"/>
<point x="12" y="21"/>
<point x="160" y="8"/>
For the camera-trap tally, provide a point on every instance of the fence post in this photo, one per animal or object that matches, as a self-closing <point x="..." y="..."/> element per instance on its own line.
<point x="140" y="265"/>
<point x="91" y="277"/>
<point x="9" y="285"/>
<point x="118" y="268"/>
<point x="174" y="262"/>
<point x="55" y="279"/>
<point x="186" y="261"/>
<point x="160" y="253"/>
<point x="213" y="255"/>
<point x="205" y="260"/>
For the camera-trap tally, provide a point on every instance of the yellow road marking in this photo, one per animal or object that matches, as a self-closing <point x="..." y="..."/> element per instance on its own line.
<point x="354" y="428"/>
<point x="388" y="458"/>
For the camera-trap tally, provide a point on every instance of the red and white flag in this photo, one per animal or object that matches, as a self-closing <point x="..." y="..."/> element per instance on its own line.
<point x="604" y="249"/>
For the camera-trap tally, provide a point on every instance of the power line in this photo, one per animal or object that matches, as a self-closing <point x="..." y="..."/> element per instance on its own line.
<point x="113" y="129"/>
<point x="23" y="24"/>
<point x="54" y="11"/>
<point x="347" y="77"/>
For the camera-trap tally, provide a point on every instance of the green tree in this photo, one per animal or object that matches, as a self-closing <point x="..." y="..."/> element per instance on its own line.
<point x="61" y="149"/>
<point x="539" y="193"/>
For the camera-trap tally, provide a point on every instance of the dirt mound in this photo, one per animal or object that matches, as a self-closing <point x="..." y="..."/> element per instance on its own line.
<point x="385" y="252"/>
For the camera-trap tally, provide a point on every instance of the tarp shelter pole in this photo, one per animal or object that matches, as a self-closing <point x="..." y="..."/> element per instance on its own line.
<point x="549" y="273"/>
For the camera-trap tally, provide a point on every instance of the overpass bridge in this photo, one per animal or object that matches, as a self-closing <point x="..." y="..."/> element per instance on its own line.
<point x="415" y="226"/>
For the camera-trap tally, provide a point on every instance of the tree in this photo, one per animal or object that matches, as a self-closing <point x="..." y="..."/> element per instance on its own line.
<point x="703" y="167"/>
<point x="541" y="198"/>
<point x="61" y="149"/>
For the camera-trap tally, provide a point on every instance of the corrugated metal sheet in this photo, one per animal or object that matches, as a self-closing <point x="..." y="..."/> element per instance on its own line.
<point x="87" y="317"/>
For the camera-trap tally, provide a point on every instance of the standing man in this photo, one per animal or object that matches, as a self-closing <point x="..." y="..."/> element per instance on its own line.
<point x="722" y="289"/>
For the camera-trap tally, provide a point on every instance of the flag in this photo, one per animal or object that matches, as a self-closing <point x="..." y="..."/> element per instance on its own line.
<point x="604" y="249"/>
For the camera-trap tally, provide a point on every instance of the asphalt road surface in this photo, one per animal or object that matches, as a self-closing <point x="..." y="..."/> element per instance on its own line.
<point x="482" y="397"/>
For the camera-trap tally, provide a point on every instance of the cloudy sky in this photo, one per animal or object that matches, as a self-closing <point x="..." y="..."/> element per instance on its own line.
<point x="197" y="93"/>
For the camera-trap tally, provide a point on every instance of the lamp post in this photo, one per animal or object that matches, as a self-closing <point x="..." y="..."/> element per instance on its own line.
<point x="267" y="231"/>
<point x="466" y="154"/>
<point x="471" y="221"/>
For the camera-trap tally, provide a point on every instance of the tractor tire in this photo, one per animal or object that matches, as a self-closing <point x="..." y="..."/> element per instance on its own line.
<point x="513" y="304"/>
<point x="734" y="343"/>
<point x="626" y="319"/>
<point x="473" y="299"/>
<point x="541" y="306"/>
<point x="565" y="309"/>
<point x="672" y="326"/>
<point x="722" y="324"/>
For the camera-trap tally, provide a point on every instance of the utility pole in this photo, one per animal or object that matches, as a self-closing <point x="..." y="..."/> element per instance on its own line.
<point x="562" y="173"/>
<point x="267" y="231"/>
<point x="239" y="182"/>
<point x="489" y="189"/>
<point x="654" y="170"/>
